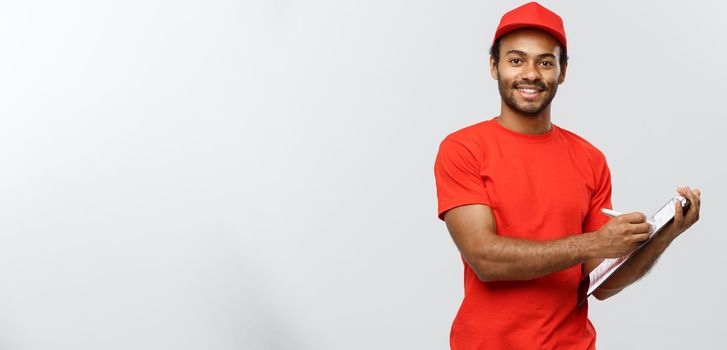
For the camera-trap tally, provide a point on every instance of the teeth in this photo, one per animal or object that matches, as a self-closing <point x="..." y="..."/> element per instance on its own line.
<point x="528" y="91"/>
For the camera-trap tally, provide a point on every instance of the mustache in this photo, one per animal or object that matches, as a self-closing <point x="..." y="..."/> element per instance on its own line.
<point x="539" y="84"/>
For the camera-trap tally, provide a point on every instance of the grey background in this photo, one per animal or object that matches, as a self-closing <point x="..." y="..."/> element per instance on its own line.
<point x="258" y="175"/>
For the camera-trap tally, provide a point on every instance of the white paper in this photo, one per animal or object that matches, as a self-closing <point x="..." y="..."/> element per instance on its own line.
<point x="608" y="266"/>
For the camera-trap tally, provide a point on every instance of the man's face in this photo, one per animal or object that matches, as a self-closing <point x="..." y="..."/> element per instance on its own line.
<point x="529" y="71"/>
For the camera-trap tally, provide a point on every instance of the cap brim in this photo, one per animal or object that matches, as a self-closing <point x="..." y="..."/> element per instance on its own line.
<point x="515" y="26"/>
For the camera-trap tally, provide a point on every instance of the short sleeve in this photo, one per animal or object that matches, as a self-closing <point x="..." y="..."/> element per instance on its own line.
<point x="601" y="198"/>
<point x="458" y="179"/>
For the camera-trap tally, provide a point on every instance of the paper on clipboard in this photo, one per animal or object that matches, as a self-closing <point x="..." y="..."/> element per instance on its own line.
<point x="608" y="266"/>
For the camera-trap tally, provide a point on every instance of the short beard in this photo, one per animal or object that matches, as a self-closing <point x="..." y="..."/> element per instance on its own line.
<point x="508" y="96"/>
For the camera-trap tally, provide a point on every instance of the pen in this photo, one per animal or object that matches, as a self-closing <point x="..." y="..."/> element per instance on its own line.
<point x="613" y="213"/>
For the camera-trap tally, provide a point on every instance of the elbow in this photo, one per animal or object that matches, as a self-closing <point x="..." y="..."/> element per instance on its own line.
<point x="486" y="272"/>
<point x="484" y="276"/>
<point x="599" y="296"/>
<point x="602" y="293"/>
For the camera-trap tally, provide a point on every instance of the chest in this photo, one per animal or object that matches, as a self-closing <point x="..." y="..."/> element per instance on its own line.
<point x="541" y="193"/>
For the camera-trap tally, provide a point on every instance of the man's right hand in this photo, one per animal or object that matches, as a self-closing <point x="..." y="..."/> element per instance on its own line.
<point x="621" y="235"/>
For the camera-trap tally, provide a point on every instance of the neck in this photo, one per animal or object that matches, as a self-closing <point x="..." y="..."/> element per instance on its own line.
<point x="524" y="123"/>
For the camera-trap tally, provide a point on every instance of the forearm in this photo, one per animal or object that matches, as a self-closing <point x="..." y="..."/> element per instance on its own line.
<point x="509" y="259"/>
<point x="636" y="267"/>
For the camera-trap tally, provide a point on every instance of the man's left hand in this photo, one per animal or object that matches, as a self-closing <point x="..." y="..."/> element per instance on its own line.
<point x="683" y="221"/>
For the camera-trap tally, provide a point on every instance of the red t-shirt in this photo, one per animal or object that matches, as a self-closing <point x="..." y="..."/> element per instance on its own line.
<point x="540" y="187"/>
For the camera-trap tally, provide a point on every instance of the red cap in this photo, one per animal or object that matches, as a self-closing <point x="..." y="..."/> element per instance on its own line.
<point x="532" y="15"/>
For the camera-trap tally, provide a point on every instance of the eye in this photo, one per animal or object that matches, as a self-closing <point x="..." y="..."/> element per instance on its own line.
<point x="547" y="63"/>
<point x="515" y="60"/>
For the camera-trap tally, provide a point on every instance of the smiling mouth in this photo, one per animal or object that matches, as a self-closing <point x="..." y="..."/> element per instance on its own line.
<point x="529" y="93"/>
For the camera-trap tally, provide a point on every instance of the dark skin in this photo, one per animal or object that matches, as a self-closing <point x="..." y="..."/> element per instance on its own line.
<point x="528" y="58"/>
<point x="528" y="75"/>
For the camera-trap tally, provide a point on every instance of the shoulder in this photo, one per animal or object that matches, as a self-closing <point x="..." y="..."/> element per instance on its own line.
<point x="472" y="137"/>
<point x="583" y="145"/>
<point x="467" y="145"/>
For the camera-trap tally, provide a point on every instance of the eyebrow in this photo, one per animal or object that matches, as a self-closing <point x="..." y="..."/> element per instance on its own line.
<point x="522" y="53"/>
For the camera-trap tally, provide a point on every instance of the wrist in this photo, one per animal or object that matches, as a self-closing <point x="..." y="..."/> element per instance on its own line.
<point x="666" y="236"/>
<point x="588" y="249"/>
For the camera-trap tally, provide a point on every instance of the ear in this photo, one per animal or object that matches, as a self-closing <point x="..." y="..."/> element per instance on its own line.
<point x="561" y="78"/>
<point x="493" y="69"/>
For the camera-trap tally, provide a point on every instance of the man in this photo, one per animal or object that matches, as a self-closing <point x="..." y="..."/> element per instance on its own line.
<point x="522" y="200"/>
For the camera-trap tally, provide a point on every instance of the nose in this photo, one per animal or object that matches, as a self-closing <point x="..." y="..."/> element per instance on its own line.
<point x="530" y="72"/>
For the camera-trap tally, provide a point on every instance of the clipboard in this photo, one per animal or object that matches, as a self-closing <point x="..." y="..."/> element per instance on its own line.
<point x="607" y="267"/>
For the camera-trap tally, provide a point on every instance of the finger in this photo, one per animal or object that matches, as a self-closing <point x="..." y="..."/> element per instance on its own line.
<point x="640" y="237"/>
<point x="645" y="227"/>
<point x="634" y="218"/>
<point x="687" y="193"/>
<point x="678" y="214"/>
<point x="692" y="196"/>
<point x="640" y="228"/>
<point x="683" y="191"/>
<point x="691" y="214"/>
<point x="698" y="196"/>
